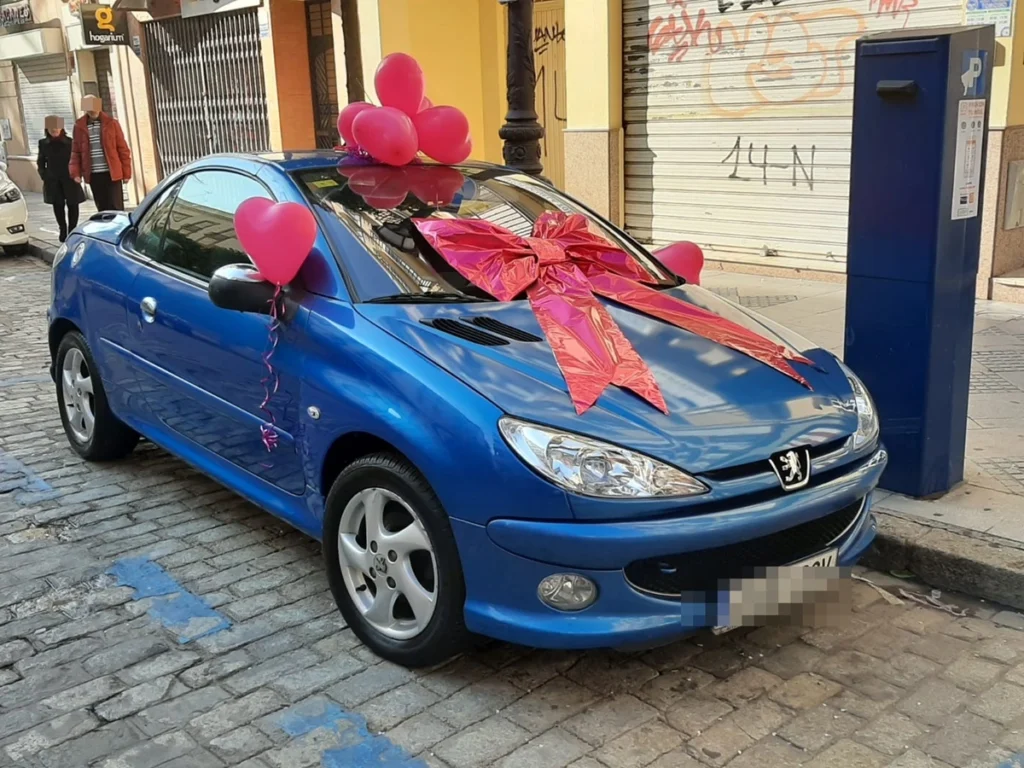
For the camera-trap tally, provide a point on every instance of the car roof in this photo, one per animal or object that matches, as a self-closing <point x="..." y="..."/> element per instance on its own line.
<point x="309" y="159"/>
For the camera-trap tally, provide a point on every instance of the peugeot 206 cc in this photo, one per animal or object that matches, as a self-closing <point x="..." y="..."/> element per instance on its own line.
<point x="424" y="433"/>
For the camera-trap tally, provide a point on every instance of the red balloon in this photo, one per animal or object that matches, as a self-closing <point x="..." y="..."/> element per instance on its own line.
<point x="400" y="83"/>
<point x="684" y="258"/>
<point x="444" y="134"/>
<point x="345" y="118"/>
<point x="435" y="185"/>
<point x="277" y="236"/>
<point x="387" y="134"/>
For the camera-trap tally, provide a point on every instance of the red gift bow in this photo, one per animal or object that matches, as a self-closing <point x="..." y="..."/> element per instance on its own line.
<point x="561" y="268"/>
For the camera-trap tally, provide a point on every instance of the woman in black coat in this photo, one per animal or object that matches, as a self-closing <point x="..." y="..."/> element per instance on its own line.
<point x="59" y="189"/>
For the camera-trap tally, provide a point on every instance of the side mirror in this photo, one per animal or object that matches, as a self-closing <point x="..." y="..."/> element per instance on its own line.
<point x="241" y="288"/>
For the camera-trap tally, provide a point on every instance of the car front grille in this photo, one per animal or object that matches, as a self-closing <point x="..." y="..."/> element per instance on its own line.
<point x="754" y="468"/>
<point x="703" y="571"/>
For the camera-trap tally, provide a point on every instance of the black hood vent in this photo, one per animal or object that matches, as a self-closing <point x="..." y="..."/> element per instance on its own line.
<point x="503" y="329"/>
<point x="485" y="331"/>
<point x="466" y="331"/>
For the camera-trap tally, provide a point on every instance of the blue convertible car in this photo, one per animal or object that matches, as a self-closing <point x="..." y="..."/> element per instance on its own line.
<point x="426" y="436"/>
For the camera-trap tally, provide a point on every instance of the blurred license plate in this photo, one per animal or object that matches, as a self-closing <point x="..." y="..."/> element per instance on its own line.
<point x="825" y="559"/>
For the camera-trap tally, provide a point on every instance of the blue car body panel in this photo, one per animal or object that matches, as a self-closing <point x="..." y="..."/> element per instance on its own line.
<point x="189" y="379"/>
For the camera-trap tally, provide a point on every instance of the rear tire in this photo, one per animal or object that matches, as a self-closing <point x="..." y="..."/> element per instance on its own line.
<point x="392" y="563"/>
<point x="92" y="429"/>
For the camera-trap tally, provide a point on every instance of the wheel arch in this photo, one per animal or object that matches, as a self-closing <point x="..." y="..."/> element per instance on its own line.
<point x="59" y="328"/>
<point x="349" y="447"/>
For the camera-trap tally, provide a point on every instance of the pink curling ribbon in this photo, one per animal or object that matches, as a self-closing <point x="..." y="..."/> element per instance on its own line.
<point x="270" y="382"/>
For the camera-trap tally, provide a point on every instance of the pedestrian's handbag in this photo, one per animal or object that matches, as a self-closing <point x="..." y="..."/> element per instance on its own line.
<point x="80" y="194"/>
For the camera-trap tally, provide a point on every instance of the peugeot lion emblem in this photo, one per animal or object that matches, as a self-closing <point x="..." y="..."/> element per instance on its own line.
<point x="792" y="467"/>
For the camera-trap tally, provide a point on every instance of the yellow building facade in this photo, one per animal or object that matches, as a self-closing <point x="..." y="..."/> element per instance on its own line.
<point x="724" y="122"/>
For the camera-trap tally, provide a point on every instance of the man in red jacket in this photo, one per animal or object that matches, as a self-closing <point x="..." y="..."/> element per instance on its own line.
<point x="100" y="155"/>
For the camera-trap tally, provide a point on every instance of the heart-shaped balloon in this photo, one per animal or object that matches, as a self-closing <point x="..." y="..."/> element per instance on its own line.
<point x="387" y="134"/>
<point x="684" y="258"/>
<point x="345" y="118"/>
<point x="400" y="83"/>
<point x="277" y="236"/>
<point x="443" y="134"/>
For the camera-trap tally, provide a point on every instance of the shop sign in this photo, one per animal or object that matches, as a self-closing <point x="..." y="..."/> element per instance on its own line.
<point x="103" y="25"/>
<point x="12" y="14"/>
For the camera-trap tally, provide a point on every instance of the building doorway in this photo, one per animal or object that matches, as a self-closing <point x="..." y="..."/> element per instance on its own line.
<point x="323" y="78"/>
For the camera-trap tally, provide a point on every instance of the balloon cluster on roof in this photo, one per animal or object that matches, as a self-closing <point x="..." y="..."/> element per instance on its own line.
<point x="407" y="122"/>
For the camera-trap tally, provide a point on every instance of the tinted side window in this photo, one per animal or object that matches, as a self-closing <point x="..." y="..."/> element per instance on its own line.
<point x="200" y="236"/>
<point x="151" y="229"/>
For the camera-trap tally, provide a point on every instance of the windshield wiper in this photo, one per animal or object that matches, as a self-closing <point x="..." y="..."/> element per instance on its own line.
<point x="425" y="298"/>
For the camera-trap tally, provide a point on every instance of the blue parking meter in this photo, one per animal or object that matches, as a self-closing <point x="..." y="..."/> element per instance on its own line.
<point x="920" y="121"/>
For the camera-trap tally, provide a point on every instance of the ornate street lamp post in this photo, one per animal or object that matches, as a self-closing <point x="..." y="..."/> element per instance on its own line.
<point x="522" y="131"/>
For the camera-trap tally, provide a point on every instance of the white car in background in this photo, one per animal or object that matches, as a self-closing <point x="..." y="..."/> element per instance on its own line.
<point x="13" y="217"/>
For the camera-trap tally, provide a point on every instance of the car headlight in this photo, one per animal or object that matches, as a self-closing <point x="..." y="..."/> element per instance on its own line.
<point x="590" y="467"/>
<point x="11" y="195"/>
<point x="867" y="416"/>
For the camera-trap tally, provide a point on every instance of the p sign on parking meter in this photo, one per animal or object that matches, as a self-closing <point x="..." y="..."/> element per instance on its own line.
<point x="970" y="134"/>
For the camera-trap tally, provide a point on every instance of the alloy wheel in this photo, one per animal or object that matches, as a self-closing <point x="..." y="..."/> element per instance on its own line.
<point x="79" y="398"/>
<point x="388" y="563"/>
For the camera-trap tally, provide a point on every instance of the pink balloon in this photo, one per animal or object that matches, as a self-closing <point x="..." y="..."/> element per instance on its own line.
<point x="345" y="118"/>
<point x="426" y="104"/>
<point x="400" y="83"/>
<point x="444" y="134"/>
<point x="387" y="134"/>
<point x="277" y="236"/>
<point x="684" y="258"/>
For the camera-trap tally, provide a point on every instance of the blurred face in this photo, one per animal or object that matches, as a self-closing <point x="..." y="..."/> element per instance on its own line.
<point x="54" y="125"/>
<point x="92" y="105"/>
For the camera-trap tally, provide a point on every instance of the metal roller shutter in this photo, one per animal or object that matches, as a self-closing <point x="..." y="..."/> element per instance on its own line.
<point x="207" y="86"/>
<point x="43" y="89"/>
<point x="738" y="120"/>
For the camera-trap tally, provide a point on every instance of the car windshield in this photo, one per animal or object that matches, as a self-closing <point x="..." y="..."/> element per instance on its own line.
<point x="374" y="206"/>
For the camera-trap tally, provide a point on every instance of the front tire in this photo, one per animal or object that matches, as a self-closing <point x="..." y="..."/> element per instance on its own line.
<point x="92" y="429"/>
<point x="392" y="563"/>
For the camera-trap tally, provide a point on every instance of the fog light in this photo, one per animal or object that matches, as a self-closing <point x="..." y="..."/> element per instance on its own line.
<point x="567" y="591"/>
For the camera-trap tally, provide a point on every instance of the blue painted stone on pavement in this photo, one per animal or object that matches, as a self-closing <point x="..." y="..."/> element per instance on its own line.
<point x="182" y="612"/>
<point x="1017" y="761"/>
<point x="27" y="487"/>
<point x="358" y="748"/>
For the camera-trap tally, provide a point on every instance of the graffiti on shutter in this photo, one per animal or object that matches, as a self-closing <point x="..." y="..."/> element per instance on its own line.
<point x="738" y="121"/>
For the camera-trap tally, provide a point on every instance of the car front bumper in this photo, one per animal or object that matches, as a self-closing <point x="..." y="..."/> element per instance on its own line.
<point x="505" y="561"/>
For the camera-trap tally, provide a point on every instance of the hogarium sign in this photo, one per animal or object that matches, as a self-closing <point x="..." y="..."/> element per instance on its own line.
<point x="103" y="25"/>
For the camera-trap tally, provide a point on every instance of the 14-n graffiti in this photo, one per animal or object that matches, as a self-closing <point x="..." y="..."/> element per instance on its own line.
<point x="752" y="163"/>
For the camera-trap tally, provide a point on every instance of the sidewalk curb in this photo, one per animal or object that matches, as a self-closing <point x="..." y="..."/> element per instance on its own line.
<point x="956" y="560"/>
<point x="41" y="250"/>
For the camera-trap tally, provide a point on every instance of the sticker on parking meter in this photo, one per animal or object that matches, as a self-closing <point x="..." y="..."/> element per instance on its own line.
<point x="970" y="132"/>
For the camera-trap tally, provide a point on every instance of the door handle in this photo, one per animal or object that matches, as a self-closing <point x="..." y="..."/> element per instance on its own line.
<point x="148" y="306"/>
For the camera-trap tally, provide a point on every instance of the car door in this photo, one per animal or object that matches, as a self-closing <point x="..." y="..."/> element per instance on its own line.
<point x="200" y="366"/>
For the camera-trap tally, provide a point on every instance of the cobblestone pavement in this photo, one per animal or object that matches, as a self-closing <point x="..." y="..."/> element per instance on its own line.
<point x="150" y="618"/>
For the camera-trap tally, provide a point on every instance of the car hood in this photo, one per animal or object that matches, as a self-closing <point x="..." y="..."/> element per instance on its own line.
<point x="725" y="408"/>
